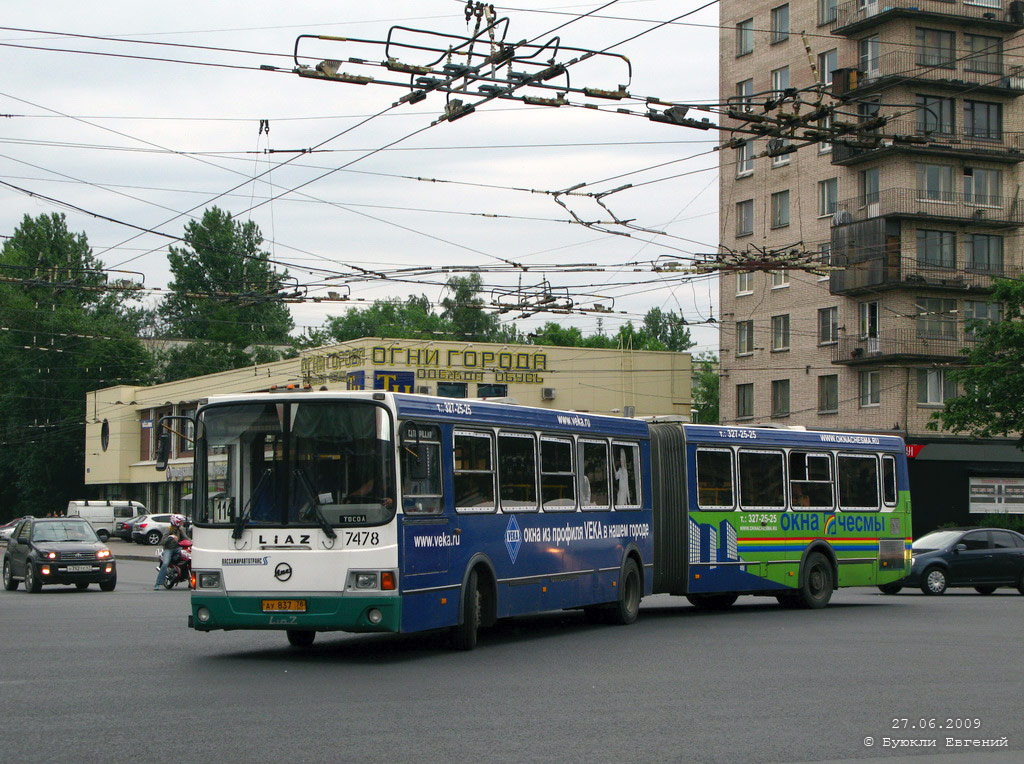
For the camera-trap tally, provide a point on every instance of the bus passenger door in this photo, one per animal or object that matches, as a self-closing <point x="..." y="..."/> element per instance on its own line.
<point x="427" y="536"/>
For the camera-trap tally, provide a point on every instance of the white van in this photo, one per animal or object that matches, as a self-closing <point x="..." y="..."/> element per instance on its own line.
<point x="102" y="514"/>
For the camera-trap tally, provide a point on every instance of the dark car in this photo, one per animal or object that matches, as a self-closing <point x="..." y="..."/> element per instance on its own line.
<point x="985" y="558"/>
<point x="123" y="528"/>
<point x="57" y="550"/>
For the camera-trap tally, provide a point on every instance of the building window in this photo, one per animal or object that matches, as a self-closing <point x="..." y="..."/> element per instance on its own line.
<point x="780" y="24"/>
<point x="934" y="115"/>
<point x="745" y="159"/>
<point x="826" y="11"/>
<point x="983" y="120"/>
<point x="780" y="397"/>
<point x="452" y="389"/>
<point x="870" y="388"/>
<point x="936" y="317"/>
<point x="936" y="248"/>
<point x="744" y="282"/>
<point x="982" y="186"/>
<point x="780" y="332"/>
<point x="936" y="47"/>
<point x="780" y="209"/>
<point x="745" y="95"/>
<point x="984" y="252"/>
<point x="780" y="80"/>
<point x="934" y="386"/>
<point x="828" y="394"/>
<point x="491" y="390"/>
<point x="828" y="62"/>
<point x="745" y="217"/>
<point x="828" y="325"/>
<point x="777" y="151"/>
<point x="985" y="54"/>
<point x="870" y="180"/>
<point x="867" y="314"/>
<point x="828" y="196"/>
<point x="745" y="401"/>
<point x="745" y="37"/>
<point x="870" y="49"/>
<point x="978" y="315"/>
<point x="935" y="182"/>
<point x="780" y="279"/>
<point x="744" y="337"/>
<point x="825" y="124"/>
<point x="825" y="258"/>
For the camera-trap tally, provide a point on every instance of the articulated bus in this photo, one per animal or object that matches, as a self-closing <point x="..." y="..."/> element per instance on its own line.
<point x="389" y="512"/>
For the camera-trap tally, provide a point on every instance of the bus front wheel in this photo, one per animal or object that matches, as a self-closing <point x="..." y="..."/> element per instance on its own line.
<point x="464" y="635"/>
<point x="627" y="607"/>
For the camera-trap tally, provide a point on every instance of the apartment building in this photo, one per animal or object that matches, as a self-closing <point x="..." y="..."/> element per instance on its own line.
<point x="914" y="220"/>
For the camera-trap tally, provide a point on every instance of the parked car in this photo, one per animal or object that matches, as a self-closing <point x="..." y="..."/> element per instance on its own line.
<point x="123" y="528"/>
<point x="57" y="550"/>
<point x="151" y="529"/>
<point x="985" y="558"/>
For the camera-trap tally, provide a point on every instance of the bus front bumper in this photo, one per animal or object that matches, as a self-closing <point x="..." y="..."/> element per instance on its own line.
<point x="211" y="612"/>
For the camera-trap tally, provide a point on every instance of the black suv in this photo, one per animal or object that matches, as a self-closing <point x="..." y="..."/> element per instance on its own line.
<point x="57" y="550"/>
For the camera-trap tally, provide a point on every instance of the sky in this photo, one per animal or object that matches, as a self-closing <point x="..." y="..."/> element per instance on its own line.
<point x="147" y="130"/>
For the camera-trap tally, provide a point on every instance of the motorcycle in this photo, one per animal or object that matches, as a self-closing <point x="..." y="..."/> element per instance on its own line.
<point x="181" y="569"/>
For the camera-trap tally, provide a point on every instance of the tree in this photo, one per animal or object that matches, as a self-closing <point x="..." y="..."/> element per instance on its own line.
<point x="706" y="388"/>
<point x="393" y="317"/>
<point x="992" y="383"/>
<point x="464" y="314"/>
<point x="659" y="331"/>
<point x="225" y="289"/>
<point x="66" y="334"/>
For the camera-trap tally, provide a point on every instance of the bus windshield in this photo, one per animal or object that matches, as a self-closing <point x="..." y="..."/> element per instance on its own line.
<point x="296" y="463"/>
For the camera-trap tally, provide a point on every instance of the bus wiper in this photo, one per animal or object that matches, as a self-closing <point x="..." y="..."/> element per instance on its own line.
<point x="243" y="516"/>
<point x="321" y="520"/>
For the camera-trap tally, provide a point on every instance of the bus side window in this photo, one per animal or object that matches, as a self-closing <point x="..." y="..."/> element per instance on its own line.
<point x="594" y="480"/>
<point x="858" y="482"/>
<point x="889" y="495"/>
<point x="557" y="477"/>
<point x="627" y="475"/>
<point x="810" y="480"/>
<point x="762" y="480"/>
<point x="714" y="479"/>
<point x="474" y="472"/>
<point x="421" y="469"/>
<point x="517" y="471"/>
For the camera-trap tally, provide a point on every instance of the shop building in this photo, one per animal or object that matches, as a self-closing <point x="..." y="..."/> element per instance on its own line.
<point x="120" y="443"/>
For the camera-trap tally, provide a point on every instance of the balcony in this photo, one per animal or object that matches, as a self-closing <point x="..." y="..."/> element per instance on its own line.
<point x="978" y="75"/>
<point x="899" y="345"/>
<point x="990" y="146"/>
<point x="856" y="16"/>
<point x="976" y="210"/>
<point x="887" y="272"/>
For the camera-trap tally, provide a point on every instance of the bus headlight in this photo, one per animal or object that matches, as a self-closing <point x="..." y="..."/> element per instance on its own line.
<point x="374" y="616"/>
<point x="208" y="579"/>
<point x="203" y="615"/>
<point x="366" y="580"/>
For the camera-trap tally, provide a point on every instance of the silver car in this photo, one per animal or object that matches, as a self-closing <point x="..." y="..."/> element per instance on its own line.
<point x="151" y="529"/>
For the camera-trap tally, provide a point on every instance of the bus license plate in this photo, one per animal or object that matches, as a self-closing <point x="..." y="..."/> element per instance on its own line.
<point x="292" y="606"/>
<point x="79" y="568"/>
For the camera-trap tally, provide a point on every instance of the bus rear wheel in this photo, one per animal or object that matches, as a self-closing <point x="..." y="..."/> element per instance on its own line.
<point x="890" y="588"/>
<point x="300" y="638"/>
<point x="464" y="636"/>
<point x="712" y="601"/>
<point x="816" y="589"/>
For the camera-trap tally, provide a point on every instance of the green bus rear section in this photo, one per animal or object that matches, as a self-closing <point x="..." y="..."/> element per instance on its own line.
<point x="766" y="550"/>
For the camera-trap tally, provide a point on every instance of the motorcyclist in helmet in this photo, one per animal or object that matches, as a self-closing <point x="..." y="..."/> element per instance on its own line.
<point x="172" y="548"/>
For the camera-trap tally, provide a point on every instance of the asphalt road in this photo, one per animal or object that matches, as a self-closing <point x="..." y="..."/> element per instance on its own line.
<point x="93" y="676"/>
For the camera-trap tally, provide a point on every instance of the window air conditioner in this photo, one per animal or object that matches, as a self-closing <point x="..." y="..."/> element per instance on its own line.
<point x="547" y="393"/>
